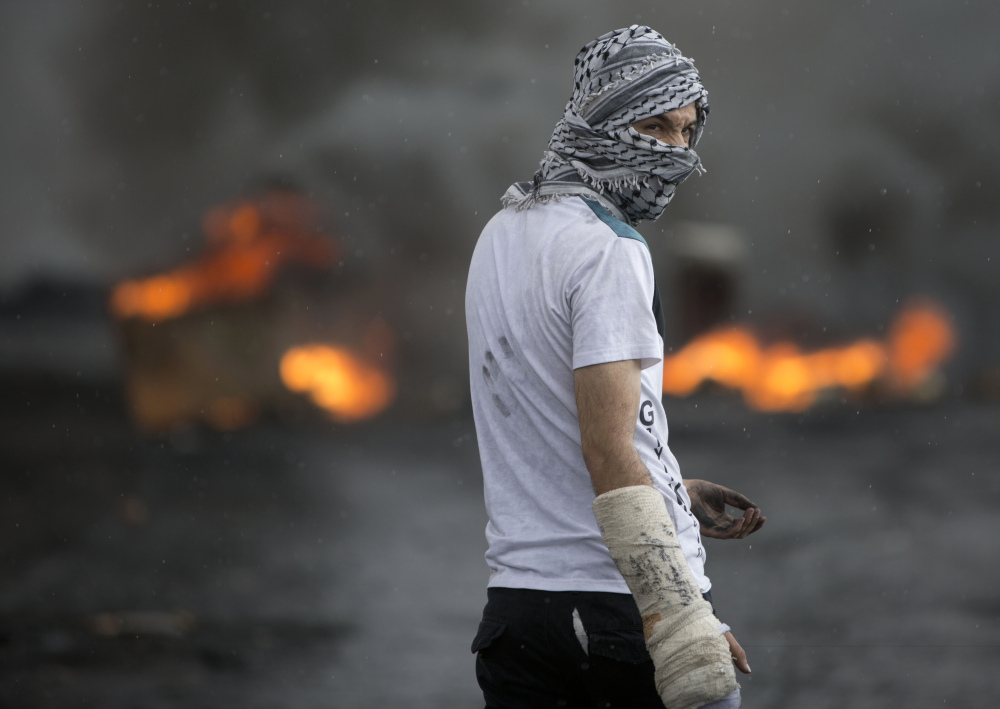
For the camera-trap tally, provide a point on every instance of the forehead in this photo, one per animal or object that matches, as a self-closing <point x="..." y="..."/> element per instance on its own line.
<point x="683" y="115"/>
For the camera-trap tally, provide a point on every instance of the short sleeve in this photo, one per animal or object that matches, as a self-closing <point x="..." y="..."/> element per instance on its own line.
<point x="611" y="306"/>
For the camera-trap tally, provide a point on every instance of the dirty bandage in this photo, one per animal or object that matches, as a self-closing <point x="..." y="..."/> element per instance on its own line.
<point x="691" y="658"/>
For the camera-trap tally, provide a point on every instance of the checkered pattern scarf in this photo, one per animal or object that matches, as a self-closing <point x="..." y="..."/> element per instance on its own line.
<point x="621" y="77"/>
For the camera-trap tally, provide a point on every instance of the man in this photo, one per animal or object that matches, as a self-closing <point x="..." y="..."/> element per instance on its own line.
<point x="565" y="339"/>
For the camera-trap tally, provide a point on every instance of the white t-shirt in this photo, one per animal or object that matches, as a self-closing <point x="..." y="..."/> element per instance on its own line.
<point x="553" y="288"/>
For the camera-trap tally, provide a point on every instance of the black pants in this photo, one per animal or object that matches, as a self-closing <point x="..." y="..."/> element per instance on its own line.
<point x="530" y="653"/>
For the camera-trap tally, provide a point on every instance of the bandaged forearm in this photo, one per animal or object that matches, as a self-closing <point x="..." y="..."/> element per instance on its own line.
<point x="690" y="655"/>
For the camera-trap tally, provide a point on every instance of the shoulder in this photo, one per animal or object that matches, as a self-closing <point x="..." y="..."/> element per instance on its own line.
<point x="617" y="226"/>
<point x="583" y="226"/>
<point x="568" y="236"/>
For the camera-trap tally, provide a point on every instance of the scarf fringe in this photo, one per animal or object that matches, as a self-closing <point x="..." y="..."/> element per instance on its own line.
<point x="520" y="202"/>
<point x="530" y="200"/>
<point x="618" y="184"/>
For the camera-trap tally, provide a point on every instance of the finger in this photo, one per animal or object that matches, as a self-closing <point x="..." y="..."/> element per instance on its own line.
<point x="730" y="528"/>
<point x="741" y="664"/>
<point x="760" y="523"/>
<point x="749" y="521"/>
<point x="739" y="656"/>
<point x="750" y="517"/>
<point x="735" y="528"/>
<point x="735" y="499"/>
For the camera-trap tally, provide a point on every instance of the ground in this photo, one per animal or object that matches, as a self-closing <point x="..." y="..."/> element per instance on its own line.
<point x="314" y="565"/>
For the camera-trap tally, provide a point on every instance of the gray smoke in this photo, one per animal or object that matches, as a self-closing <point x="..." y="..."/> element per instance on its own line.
<point x="855" y="146"/>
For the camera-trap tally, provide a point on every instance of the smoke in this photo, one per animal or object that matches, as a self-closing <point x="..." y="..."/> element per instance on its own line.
<point x="40" y="138"/>
<point x="830" y="123"/>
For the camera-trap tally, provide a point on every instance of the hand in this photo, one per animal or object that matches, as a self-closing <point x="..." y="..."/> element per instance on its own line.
<point x="708" y="503"/>
<point x="739" y="656"/>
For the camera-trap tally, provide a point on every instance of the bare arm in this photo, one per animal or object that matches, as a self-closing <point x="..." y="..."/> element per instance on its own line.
<point x="607" y="402"/>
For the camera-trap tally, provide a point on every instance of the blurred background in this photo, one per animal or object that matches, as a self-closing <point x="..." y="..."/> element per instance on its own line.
<point x="238" y="458"/>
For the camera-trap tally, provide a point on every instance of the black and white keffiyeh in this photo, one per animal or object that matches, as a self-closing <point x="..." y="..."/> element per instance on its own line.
<point x="621" y="77"/>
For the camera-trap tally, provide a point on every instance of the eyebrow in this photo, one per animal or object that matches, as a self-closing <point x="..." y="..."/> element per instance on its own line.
<point x="674" y="121"/>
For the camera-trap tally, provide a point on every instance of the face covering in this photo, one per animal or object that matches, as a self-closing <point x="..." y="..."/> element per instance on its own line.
<point x="619" y="78"/>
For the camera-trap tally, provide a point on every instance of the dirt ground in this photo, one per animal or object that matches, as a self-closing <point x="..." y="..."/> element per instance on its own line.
<point x="327" y="566"/>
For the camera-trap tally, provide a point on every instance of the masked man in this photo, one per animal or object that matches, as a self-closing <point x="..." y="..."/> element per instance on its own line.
<point x="597" y="595"/>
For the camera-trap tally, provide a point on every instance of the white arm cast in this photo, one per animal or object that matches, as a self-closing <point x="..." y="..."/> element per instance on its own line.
<point x="690" y="655"/>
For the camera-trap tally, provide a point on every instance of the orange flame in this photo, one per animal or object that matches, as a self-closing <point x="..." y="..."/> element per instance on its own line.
<point x="345" y="385"/>
<point x="919" y="340"/>
<point x="248" y="242"/>
<point x="781" y="378"/>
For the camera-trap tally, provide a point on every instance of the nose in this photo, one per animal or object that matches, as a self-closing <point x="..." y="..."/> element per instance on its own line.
<point x="677" y="138"/>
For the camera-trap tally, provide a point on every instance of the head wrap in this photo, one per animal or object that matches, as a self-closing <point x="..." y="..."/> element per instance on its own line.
<point x="621" y="77"/>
